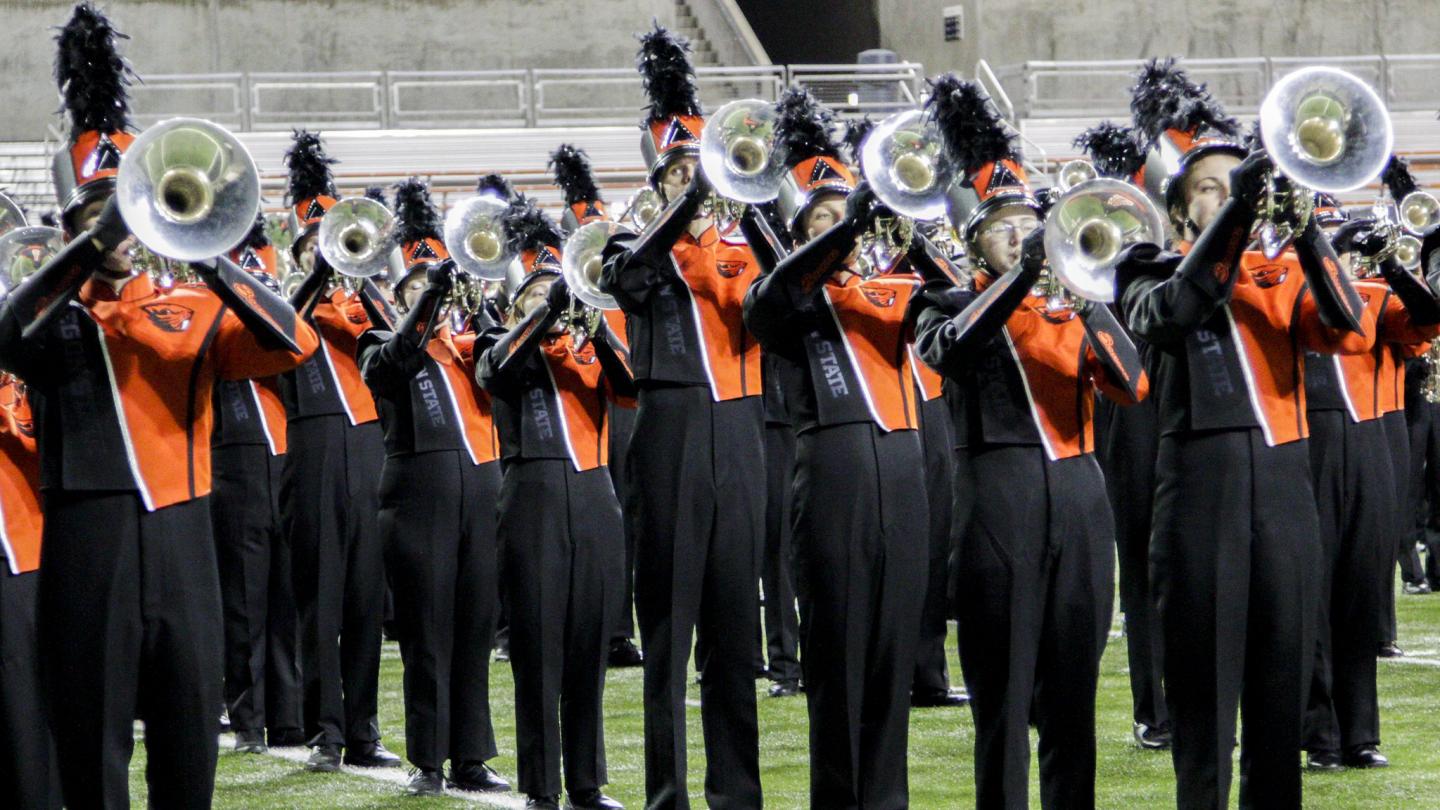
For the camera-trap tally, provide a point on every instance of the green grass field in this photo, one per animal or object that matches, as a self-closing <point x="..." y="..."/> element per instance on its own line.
<point x="941" y="746"/>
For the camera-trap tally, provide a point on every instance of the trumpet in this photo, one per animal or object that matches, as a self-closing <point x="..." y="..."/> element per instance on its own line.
<point x="357" y="237"/>
<point x="643" y="208"/>
<point x="188" y="189"/>
<point x="1088" y="227"/>
<point x="903" y="158"/>
<point x="475" y="237"/>
<point x="738" y="154"/>
<point x="581" y="263"/>
<point x="1326" y="131"/>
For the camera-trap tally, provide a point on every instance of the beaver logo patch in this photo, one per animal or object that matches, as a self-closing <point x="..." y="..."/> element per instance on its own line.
<point x="879" y="296"/>
<point x="170" y="317"/>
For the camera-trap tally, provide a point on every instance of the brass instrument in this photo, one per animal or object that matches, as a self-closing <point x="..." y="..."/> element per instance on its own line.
<point x="738" y="153"/>
<point x="188" y="189"/>
<point x="25" y="250"/>
<point x="887" y="238"/>
<point x="1325" y="130"/>
<point x="357" y="237"/>
<point x="475" y="237"/>
<point x="643" y="208"/>
<point x="1074" y="172"/>
<point x="1088" y="227"/>
<point x="903" y="158"/>
<point x="1430" y="389"/>
<point x="581" y="263"/>
<point x="12" y="216"/>
<point x="1419" y="213"/>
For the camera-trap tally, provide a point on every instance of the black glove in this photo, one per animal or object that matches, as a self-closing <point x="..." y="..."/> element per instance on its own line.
<point x="558" y="297"/>
<point x="860" y="205"/>
<point x="441" y="275"/>
<point x="1032" y="251"/>
<point x="1358" y="236"/>
<point x="1247" y="181"/>
<point x="109" y="228"/>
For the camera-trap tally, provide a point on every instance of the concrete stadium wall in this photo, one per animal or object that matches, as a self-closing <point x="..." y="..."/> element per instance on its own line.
<point x="200" y="36"/>
<point x="1012" y="31"/>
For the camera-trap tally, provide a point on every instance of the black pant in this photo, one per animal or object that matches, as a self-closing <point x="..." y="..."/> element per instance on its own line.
<point x="1126" y="441"/>
<point x="1234" y="561"/>
<point x="1037" y="583"/>
<point x="860" y="520"/>
<point x="782" y="624"/>
<point x="29" y="777"/>
<point x="130" y="627"/>
<point x="1422" y="512"/>
<point x="622" y="424"/>
<point x="262" y="670"/>
<point x="328" y="496"/>
<point x="1356" y="500"/>
<point x="437" y="524"/>
<point x="698" y="477"/>
<point x="937" y="437"/>
<point x="1401" y="544"/>
<point x="564" y="550"/>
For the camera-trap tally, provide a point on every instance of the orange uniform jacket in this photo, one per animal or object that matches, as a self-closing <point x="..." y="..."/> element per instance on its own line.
<point x="123" y="387"/>
<point x="20" y="518"/>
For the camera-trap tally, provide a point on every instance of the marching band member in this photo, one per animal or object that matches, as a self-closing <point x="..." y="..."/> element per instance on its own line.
<point x="1234" y="551"/>
<point x="857" y="438"/>
<point x="559" y="520"/>
<point x="1037" y="569"/>
<point x="262" y="672"/>
<point x="583" y="205"/>
<point x="1351" y="460"/>
<point x="129" y="596"/>
<point x="438" y="487"/>
<point x="328" y="494"/>
<point x="28" y="771"/>
<point x="695" y="455"/>
<point x="1126" y="442"/>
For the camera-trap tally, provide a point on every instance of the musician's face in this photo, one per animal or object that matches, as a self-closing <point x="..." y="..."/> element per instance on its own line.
<point x="410" y="290"/>
<point x="531" y="298"/>
<point x="677" y="176"/>
<point x="822" y="215"/>
<point x="1000" y="236"/>
<point x="1206" y="188"/>
<point x="118" y="262"/>
<point x="305" y="251"/>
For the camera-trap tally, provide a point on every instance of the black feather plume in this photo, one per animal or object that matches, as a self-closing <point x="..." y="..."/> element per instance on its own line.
<point x="971" y="126"/>
<point x="855" y="131"/>
<point x="377" y="193"/>
<point x="1398" y="178"/>
<point x="309" y="167"/>
<point x="48" y="219"/>
<point x="1163" y="97"/>
<point x="528" y="227"/>
<point x="415" y="214"/>
<point x="802" y="129"/>
<point x="256" y="238"/>
<point x="1113" y="149"/>
<point x="91" y="74"/>
<point x="573" y="174"/>
<point x="668" y="76"/>
<point x="495" y="184"/>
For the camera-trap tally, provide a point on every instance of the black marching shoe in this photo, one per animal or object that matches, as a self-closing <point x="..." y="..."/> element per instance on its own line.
<point x="477" y="777"/>
<point x="1417" y="588"/>
<point x="224" y="721"/>
<point x="1390" y="650"/>
<point x="939" y="700"/>
<point x="370" y="755"/>
<point x="250" y="742"/>
<point x="624" y="653"/>
<point x="592" y="800"/>
<point x="287" y="738"/>
<point x="1365" y="756"/>
<point x="1322" y="760"/>
<point x="790" y="687"/>
<point x="324" y="759"/>
<point x="1152" y="738"/>
<point x="425" y="782"/>
<point x="542" y="803"/>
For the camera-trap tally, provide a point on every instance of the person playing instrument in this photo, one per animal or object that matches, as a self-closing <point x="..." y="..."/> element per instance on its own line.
<point x="695" y="456"/>
<point x="327" y="493"/>
<point x="857" y="434"/>
<point x="122" y="376"/>
<point x="560" y="522"/>
<point x="1352" y="464"/>
<point x="262" y="672"/>
<point x="1234" y="551"/>
<point x="1036" y="571"/>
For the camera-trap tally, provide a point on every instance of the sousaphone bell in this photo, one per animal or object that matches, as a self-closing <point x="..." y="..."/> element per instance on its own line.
<point x="581" y="262"/>
<point x="903" y="158"/>
<point x="1087" y="228"/>
<point x="475" y="237"/>
<point x="357" y="237"/>
<point x="737" y="151"/>
<point x="11" y="215"/>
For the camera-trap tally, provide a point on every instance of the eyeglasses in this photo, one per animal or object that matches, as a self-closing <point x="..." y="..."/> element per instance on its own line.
<point x="1009" y="230"/>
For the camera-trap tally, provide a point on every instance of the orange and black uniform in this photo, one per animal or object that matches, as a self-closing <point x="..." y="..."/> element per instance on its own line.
<point x="1234" y="553"/>
<point x="560" y="528"/>
<point x="859" y="510"/>
<point x="437" y="495"/>
<point x="262" y="667"/>
<point x="1036" y="570"/>
<point x="1391" y="382"/>
<point x="1420" y="514"/>
<point x="1347" y="397"/>
<point x="622" y="423"/>
<point x="696" y="479"/>
<point x="28" y="773"/>
<point x="329" y="501"/>
<point x="122" y="388"/>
